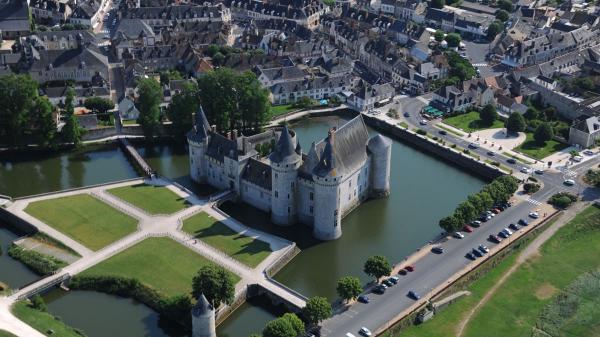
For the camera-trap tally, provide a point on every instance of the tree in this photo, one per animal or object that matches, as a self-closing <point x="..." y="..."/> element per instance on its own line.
<point x="450" y="223"/>
<point x="531" y="113"/>
<point x="150" y="96"/>
<point x="42" y="120"/>
<point x="377" y="266"/>
<point x="502" y="15"/>
<point x="488" y="114"/>
<point x="279" y="327"/>
<point x="584" y="83"/>
<point x="562" y="199"/>
<point x="549" y="113"/>
<point x="182" y="107"/>
<point x="16" y="94"/>
<point x="98" y="104"/>
<point x="494" y="29"/>
<point x="71" y="131"/>
<point x="439" y="35"/>
<point x="543" y="133"/>
<point x="506" y="5"/>
<point x="38" y="303"/>
<point x="215" y="283"/>
<point x="316" y="310"/>
<point x="438" y="4"/>
<point x="531" y="188"/>
<point x="465" y="211"/>
<point x="453" y="40"/>
<point x="515" y="123"/>
<point x="348" y="288"/>
<point x="296" y="323"/>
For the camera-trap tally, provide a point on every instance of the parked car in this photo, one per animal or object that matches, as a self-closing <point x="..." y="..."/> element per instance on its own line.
<point x="410" y="268"/>
<point x="423" y="122"/>
<point x="577" y="158"/>
<point x="476" y="252"/>
<point x="511" y="161"/>
<point x="414" y="295"/>
<point x="379" y="289"/>
<point x="468" y="229"/>
<point x="496" y="211"/>
<point x="503" y="235"/>
<point x="525" y="170"/>
<point x="490" y="213"/>
<point x="539" y="171"/>
<point x="588" y="152"/>
<point x="365" y="332"/>
<point x="569" y="182"/>
<point x="443" y="132"/>
<point x="475" y="223"/>
<point x="493" y="238"/>
<point x="483" y="249"/>
<point x="474" y="145"/>
<point x="507" y="231"/>
<point x="491" y="153"/>
<point x="523" y="222"/>
<point x="349" y="335"/>
<point x="437" y="250"/>
<point x="513" y="227"/>
<point x="406" y="114"/>
<point x="363" y="299"/>
<point x="534" y="215"/>
<point x="394" y="279"/>
<point x="470" y="256"/>
<point x="388" y="283"/>
<point x="458" y="235"/>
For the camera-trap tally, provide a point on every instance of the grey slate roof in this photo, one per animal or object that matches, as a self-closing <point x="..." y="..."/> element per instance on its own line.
<point x="201" y="127"/>
<point x="258" y="173"/>
<point x="379" y="142"/>
<point x="202" y="307"/>
<point x="284" y="151"/>
<point x="343" y="150"/>
<point x="220" y="147"/>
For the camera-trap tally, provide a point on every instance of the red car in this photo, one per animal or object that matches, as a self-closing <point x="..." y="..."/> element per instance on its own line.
<point x="410" y="268"/>
<point x="496" y="211"/>
<point x="468" y="229"/>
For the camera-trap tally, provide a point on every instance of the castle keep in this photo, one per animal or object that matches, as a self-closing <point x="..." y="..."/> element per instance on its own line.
<point x="318" y="188"/>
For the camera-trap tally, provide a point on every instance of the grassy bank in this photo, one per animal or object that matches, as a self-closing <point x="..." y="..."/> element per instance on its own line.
<point x="242" y="248"/>
<point x="470" y="122"/>
<point x="521" y="299"/>
<point x="39" y="263"/>
<point x="539" y="151"/>
<point x="6" y="334"/>
<point x="43" y="321"/>
<point x="159" y="263"/>
<point x="84" y="218"/>
<point x="152" y="199"/>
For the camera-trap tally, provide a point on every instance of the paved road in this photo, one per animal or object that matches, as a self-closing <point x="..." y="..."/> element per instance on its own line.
<point x="434" y="270"/>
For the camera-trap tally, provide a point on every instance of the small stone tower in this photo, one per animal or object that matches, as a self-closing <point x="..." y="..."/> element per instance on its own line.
<point x="328" y="215"/>
<point x="198" y="139"/>
<point x="285" y="161"/>
<point x="203" y="319"/>
<point x="381" y="156"/>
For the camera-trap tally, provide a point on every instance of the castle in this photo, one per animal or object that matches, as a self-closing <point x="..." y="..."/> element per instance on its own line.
<point x="317" y="189"/>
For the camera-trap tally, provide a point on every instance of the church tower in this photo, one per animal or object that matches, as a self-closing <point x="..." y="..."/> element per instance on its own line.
<point x="198" y="139"/>
<point x="203" y="319"/>
<point x="285" y="161"/>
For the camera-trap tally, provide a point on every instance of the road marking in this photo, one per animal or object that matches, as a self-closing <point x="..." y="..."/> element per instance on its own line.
<point x="480" y="64"/>
<point x="533" y="201"/>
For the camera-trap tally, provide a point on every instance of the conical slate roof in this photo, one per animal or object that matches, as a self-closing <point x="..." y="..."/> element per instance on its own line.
<point x="201" y="127"/>
<point x="379" y="142"/>
<point x="202" y="307"/>
<point x="284" y="149"/>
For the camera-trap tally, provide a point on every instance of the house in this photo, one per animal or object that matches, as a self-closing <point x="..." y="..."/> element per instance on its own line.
<point x="165" y="17"/>
<point x="585" y="131"/>
<point x="470" y="93"/>
<point x="14" y="19"/>
<point x="364" y="95"/>
<point x="57" y="95"/>
<point x="50" y="11"/>
<point x="316" y="88"/>
<point x="60" y="40"/>
<point x="80" y="65"/>
<point x="87" y="13"/>
<point x="305" y="13"/>
<point x="127" y="109"/>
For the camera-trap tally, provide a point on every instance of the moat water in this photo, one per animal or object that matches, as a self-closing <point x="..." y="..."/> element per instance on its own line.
<point x="394" y="227"/>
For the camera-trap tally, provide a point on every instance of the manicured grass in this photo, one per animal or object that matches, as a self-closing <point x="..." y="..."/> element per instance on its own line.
<point x="470" y="122"/>
<point x="6" y="334"/>
<point x="161" y="263"/>
<point x="533" y="149"/>
<point x="84" y="218"/>
<point x="277" y="110"/>
<point x="42" y="321"/>
<point x="403" y="124"/>
<point x="514" y="309"/>
<point x="444" y="323"/>
<point x="242" y="248"/>
<point x="152" y="199"/>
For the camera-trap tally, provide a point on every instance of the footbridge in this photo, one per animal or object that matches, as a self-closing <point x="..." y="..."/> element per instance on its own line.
<point x="132" y="153"/>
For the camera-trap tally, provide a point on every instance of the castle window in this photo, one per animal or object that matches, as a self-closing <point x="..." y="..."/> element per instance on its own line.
<point x="312" y="196"/>
<point x="276" y="194"/>
<point x="289" y="211"/>
<point x="276" y="175"/>
<point x="311" y="209"/>
<point x="288" y="196"/>
<point x="335" y="218"/>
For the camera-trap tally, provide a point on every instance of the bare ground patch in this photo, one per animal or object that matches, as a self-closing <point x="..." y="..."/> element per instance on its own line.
<point x="545" y="291"/>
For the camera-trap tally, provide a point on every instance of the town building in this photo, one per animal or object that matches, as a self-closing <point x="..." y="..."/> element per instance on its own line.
<point x="585" y="131"/>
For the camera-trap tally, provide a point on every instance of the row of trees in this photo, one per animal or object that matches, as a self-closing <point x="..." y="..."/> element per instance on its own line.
<point x="498" y="191"/>
<point x="516" y="123"/>
<point x="231" y="101"/>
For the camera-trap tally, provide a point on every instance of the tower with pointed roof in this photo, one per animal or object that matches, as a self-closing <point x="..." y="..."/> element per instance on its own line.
<point x="203" y="319"/>
<point x="198" y="139"/>
<point x="285" y="162"/>
<point x="381" y="154"/>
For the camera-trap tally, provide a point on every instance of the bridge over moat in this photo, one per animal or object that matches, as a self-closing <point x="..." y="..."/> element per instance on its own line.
<point x="154" y="226"/>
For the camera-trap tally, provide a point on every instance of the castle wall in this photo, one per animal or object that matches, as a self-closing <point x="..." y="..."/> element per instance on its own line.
<point x="284" y="185"/>
<point x="328" y="215"/>
<point x="215" y="174"/>
<point x="380" y="174"/>
<point x="354" y="189"/>
<point x="255" y="196"/>
<point x="197" y="162"/>
<point x="305" y="201"/>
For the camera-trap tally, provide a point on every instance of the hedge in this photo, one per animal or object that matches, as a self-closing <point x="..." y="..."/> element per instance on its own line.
<point x="39" y="263"/>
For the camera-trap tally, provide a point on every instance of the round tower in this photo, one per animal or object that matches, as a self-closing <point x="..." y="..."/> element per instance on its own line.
<point x="203" y="319"/>
<point x="285" y="162"/>
<point x="198" y="139"/>
<point x="381" y="156"/>
<point x="327" y="213"/>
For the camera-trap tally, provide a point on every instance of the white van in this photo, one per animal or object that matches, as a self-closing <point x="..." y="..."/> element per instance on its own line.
<point x="349" y="335"/>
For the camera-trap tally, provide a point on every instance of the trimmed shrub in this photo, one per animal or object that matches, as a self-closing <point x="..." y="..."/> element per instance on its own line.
<point x="562" y="200"/>
<point x="39" y="263"/>
<point x="531" y="188"/>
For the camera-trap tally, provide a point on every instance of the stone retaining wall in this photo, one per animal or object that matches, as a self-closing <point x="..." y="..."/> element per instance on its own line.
<point x="16" y="222"/>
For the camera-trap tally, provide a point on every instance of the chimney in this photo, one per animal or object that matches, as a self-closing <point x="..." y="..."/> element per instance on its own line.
<point x="331" y="134"/>
<point x="213" y="128"/>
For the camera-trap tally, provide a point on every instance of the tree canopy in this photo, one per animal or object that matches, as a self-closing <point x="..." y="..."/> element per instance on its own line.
<point x="515" y="123"/>
<point x="98" y="104"/>
<point x="288" y="325"/>
<point x="181" y="110"/>
<point x="377" y="266"/>
<point x="506" y="5"/>
<point x="71" y="131"/>
<point x="439" y="35"/>
<point x="494" y="29"/>
<point x="488" y="114"/>
<point x="438" y="3"/>
<point x="502" y="15"/>
<point x="453" y="39"/>
<point x="316" y="310"/>
<point x="215" y="283"/>
<point x="349" y="287"/>
<point x="233" y="100"/>
<point x="148" y="103"/>
<point x="543" y="133"/>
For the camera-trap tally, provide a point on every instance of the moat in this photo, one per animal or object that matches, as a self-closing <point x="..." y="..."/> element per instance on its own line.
<point x="394" y="227"/>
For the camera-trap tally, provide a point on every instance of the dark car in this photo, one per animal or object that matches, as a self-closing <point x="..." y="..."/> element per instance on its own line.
<point x="437" y="250"/>
<point x="402" y="272"/>
<point x="443" y="132"/>
<point x="523" y="222"/>
<point x="493" y="238"/>
<point x="379" y="289"/>
<point x="410" y="268"/>
<point x="413" y="294"/>
<point x="491" y="153"/>
<point x="363" y="299"/>
<point x="476" y="252"/>
<point x="470" y="256"/>
<point x="406" y="114"/>
<point x="511" y="161"/>
<point x="476" y="223"/>
<point x="513" y="227"/>
<point x="388" y="283"/>
<point x="503" y="235"/>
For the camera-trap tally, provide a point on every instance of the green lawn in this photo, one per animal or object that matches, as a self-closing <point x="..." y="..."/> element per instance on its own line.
<point x="403" y="124"/>
<point x="6" y="334"/>
<point x="531" y="148"/>
<point x="242" y="248"/>
<point x="84" y="218"/>
<point x="41" y="321"/>
<point x="277" y="110"/>
<point x="444" y="323"/>
<point x="514" y="309"/>
<point x="470" y="122"/>
<point x="161" y="263"/>
<point x="152" y="199"/>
